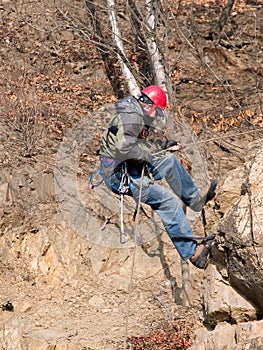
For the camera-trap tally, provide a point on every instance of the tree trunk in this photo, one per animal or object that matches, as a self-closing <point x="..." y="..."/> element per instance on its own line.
<point x="215" y="30"/>
<point x="129" y="78"/>
<point x="154" y="52"/>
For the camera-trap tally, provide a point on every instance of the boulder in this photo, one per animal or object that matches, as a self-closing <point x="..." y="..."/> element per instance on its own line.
<point x="222" y="302"/>
<point x="249" y="335"/>
<point x="245" y="335"/>
<point x="240" y="242"/>
<point x="232" y="286"/>
<point x="221" y="338"/>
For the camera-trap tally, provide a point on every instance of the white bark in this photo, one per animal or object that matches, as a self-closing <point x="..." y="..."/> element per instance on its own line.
<point x="154" y="52"/>
<point x="131" y="81"/>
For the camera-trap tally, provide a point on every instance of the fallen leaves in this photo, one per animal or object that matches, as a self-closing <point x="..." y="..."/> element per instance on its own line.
<point x="220" y="123"/>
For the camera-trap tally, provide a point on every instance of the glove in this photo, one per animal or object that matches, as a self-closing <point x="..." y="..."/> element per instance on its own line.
<point x="168" y="143"/>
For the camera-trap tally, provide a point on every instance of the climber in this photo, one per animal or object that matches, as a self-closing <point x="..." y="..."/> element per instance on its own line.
<point x="125" y="150"/>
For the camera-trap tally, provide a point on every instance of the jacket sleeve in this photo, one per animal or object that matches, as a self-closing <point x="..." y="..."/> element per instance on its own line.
<point x="130" y="145"/>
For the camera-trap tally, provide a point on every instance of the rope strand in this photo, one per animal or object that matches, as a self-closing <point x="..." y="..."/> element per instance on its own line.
<point x="208" y="140"/>
<point x="133" y="261"/>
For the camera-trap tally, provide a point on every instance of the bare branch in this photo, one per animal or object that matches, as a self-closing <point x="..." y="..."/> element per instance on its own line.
<point x="216" y="29"/>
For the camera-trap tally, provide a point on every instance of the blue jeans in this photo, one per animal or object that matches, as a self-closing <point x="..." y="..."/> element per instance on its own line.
<point x="166" y="203"/>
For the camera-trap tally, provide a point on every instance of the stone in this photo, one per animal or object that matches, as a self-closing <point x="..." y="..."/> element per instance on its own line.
<point x="3" y="193"/>
<point x="67" y="35"/>
<point x="223" y="337"/>
<point x="229" y="192"/>
<point x="246" y="331"/>
<point x="3" y="253"/>
<point x="44" y="339"/>
<point x="44" y="185"/>
<point x="11" y="333"/>
<point x="24" y="307"/>
<point x="222" y="302"/>
<point x="96" y="301"/>
<point x="240" y="247"/>
<point x="245" y="335"/>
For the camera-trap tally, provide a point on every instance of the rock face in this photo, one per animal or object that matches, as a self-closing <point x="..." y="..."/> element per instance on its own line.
<point x="222" y="302"/>
<point x="240" y="241"/>
<point x="245" y="335"/>
<point x="233" y="284"/>
<point x="69" y="293"/>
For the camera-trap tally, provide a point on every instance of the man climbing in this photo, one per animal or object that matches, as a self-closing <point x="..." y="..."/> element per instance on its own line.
<point x="128" y="160"/>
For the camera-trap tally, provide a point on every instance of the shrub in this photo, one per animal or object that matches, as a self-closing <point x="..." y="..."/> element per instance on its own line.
<point x="171" y="338"/>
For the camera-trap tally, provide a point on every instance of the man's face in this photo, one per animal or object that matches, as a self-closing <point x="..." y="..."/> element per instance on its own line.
<point x="150" y="110"/>
<point x="153" y="111"/>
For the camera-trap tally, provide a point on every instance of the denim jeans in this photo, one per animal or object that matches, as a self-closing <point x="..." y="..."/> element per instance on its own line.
<point x="166" y="202"/>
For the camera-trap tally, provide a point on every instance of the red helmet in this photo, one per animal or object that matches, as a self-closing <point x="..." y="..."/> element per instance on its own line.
<point x="156" y="95"/>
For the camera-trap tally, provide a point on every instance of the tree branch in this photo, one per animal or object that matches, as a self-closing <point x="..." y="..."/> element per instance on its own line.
<point x="216" y="29"/>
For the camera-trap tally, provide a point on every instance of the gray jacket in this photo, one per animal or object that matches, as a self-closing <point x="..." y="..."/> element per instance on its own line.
<point x="125" y="137"/>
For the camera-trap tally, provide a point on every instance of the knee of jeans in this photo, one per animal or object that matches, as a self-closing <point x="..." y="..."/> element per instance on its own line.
<point x="170" y="156"/>
<point x="172" y="159"/>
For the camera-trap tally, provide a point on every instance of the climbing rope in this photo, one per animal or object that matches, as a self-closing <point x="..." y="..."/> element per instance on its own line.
<point x="208" y="140"/>
<point x="123" y="190"/>
<point x="123" y="235"/>
<point x="133" y="261"/>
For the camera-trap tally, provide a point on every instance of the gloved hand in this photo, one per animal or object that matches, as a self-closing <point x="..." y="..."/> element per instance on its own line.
<point x="171" y="145"/>
<point x="168" y="143"/>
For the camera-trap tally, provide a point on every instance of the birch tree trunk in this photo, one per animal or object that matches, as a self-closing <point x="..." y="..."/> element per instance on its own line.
<point x="158" y="65"/>
<point x="131" y="81"/>
<point x="156" y="58"/>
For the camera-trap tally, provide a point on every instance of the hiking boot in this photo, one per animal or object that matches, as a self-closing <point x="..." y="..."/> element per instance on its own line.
<point x="204" y="197"/>
<point x="201" y="257"/>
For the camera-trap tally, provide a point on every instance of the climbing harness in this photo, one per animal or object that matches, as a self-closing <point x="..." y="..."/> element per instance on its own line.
<point x="125" y="180"/>
<point x="122" y="190"/>
<point x="149" y="174"/>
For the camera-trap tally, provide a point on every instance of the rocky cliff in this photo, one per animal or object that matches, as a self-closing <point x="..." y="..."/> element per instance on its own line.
<point x="61" y="289"/>
<point x="232" y="286"/>
<point x="66" y="281"/>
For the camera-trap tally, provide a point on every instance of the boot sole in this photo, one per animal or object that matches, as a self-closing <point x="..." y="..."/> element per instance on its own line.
<point x="202" y="260"/>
